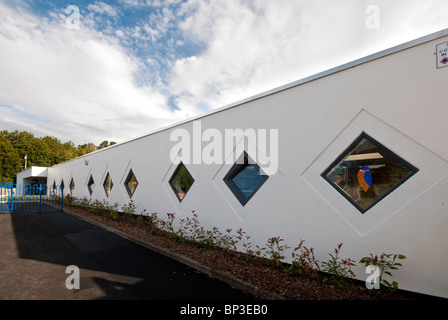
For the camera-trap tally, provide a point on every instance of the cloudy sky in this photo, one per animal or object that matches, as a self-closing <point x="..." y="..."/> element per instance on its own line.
<point x="88" y="71"/>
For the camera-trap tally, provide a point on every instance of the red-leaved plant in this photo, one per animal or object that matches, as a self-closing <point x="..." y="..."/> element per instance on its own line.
<point x="384" y="262"/>
<point x="303" y="260"/>
<point x="338" y="269"/>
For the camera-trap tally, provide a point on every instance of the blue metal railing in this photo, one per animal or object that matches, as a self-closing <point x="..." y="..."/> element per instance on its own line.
<point x="31" y="198"/>
<point x="6" y="196"/>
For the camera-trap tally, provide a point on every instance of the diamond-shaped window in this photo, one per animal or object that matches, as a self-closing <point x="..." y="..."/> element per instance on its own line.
<point x="91" y="185"/>
<point x="244" y="179"/>
<point x="131" y="183"/>
<point x="72" y="186"/>
<point x="181" y="181"/>
<point x="108" y="184"/>
<point x="367" y="172"/>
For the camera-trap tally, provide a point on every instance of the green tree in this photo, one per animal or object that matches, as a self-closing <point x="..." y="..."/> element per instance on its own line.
<point x="37" y="151"/>
<point x="106" y="144"/>
<point x="43" y="152"/>
<point x="70" y="150"/>
<point x="86" y="148"/>
<point x="9" y="161"/>
<point x="59" y="151"/>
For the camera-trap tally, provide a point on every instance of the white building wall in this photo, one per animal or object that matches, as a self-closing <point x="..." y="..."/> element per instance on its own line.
<point x="399" y="99"/>
<point x="28" y="175"/>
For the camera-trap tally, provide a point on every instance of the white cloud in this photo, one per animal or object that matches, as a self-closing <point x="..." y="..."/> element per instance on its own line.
<point x="77" y="82"/>
<point x="102" y="8"/>
<point x="254" y="46"/>
<point x="80" y="85"/>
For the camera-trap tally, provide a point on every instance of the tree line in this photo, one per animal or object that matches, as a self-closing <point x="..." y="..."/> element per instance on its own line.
<point x="39" y="151"/>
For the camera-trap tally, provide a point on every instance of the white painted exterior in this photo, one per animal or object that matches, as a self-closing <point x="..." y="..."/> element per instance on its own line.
<point x="32" y="174"/>
<point x="398" y="97"/>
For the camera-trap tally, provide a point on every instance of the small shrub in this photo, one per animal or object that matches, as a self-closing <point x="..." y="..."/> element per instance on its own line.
<point x="141" y="218"/>
<point x="304" y="261"/>
<point x="246" y="244"/>
<point x="384" y="262"/>
<point x="128" y="211"/>
<point x="97" y="207"/>
<point x="69" y="200"/>
<point x="228" y="241"/>
<point x="167" y="225"/>
<point x="338" y="269"/>
<point x="129" y="208"/>
<point x="276" y="249"/>
<point x="83" y="203"/>
<point x="110" y="210"/>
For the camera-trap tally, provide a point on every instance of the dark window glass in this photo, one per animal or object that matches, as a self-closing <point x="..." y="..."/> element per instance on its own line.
<point x="91" y="185"/>
<point x="181" y="181"/>
<point x="108" y="184"/>
<point x="131" y="183"/>
<point x="72" y="186"/>
<point x="244" y="179"/>
<point x="367" y="172"/>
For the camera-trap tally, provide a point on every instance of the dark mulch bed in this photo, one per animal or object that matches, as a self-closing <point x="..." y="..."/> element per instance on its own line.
<point x="266" y="276"/>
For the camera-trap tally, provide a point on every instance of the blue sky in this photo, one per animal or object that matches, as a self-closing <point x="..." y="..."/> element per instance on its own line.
<point x="134" y="66"/>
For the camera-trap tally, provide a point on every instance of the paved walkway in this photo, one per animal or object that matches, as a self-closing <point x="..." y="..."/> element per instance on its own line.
<point x="36" y="249"/>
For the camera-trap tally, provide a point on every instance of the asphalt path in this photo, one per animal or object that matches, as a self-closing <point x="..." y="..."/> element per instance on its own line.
<point x="41" y="255"/>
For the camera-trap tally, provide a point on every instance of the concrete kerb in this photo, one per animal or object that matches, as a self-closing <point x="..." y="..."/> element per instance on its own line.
<point x="217" y="274"/>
